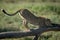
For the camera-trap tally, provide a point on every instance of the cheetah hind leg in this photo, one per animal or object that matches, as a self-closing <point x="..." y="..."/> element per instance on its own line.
<point x="25" y="24"/>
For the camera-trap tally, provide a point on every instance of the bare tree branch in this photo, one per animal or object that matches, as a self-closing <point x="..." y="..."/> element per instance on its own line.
<point x="18" y="34"/>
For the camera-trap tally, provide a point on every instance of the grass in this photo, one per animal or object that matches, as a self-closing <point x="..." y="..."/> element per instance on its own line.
<point x="14" y="23"/>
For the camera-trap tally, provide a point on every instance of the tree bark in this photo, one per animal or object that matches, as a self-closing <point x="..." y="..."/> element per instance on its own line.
<point x="18" y="34"/>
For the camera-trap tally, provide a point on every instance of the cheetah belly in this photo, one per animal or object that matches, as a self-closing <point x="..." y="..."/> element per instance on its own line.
<point x="34" y="22"/>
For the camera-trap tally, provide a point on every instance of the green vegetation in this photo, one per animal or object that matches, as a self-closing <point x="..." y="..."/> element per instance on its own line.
<point x="14" y="23"/>
<point x="13" y="1"/>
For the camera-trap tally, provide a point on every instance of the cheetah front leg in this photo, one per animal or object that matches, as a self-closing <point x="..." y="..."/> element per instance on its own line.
<point x="25" y="24"/>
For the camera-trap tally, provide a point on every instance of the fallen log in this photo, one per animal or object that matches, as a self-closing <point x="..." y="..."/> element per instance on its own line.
<point x="18" y="34"/>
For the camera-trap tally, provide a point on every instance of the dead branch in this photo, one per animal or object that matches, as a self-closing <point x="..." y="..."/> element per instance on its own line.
<point x="18" y="34"/>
